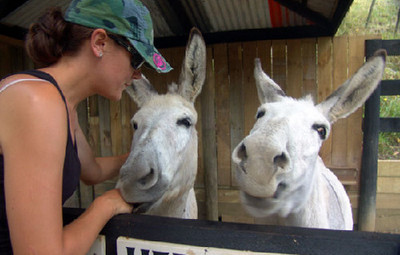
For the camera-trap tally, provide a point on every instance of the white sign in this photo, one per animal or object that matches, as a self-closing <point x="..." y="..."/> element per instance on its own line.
<point x="132" y="246"/>
<point x="98" y="247"/>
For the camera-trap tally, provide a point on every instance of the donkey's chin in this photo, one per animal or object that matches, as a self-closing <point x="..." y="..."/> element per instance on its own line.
<point x="260" y="206"/>
<point x="264" y="206"/>
<point x="142" y="208"/>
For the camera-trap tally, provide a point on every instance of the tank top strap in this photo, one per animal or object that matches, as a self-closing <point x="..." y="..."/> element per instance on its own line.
<point x="19" y="80"/>
<point x="47" y="77"/>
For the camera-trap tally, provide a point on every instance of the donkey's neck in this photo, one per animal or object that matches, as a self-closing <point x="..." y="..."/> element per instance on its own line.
<point x="328" y="205"/>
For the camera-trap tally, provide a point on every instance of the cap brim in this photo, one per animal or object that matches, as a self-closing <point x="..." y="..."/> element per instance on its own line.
<point x="152" y="57"/>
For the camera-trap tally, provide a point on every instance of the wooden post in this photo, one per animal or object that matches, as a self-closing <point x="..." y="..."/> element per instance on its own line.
<point x="369" y="163"/>
<point x="209" y="142"/>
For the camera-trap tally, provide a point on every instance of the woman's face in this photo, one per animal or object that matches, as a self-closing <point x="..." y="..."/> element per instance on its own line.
<point x="116" y="72"/>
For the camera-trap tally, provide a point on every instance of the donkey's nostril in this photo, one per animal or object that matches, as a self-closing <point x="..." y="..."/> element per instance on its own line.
<point x="241" y="153"/>
<point x="281" y="160"/>
<point x="147" y="179"/>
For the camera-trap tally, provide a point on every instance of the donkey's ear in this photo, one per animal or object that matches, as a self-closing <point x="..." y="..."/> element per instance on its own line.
<point x="193" y="71"/>
<point x="268" y="90"/>
<point x="141" y="90"/>
<point x="356" y="90"/>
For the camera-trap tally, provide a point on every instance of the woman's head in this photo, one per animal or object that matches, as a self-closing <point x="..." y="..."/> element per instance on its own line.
<point x="55" y="35"/>
<point x="127" y="18"/>
<point x="52" y="37"/>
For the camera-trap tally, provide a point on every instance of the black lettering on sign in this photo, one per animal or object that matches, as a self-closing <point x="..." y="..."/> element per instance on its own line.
<point x="160" y="253"/>
<point x="131" y="251"/>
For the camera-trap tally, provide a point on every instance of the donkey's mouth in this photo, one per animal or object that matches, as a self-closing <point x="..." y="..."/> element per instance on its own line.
<point x="141" y="208"/>
<point x="277" y="194"/>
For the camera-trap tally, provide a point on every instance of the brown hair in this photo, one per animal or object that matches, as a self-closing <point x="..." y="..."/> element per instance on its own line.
<point x="51" y="37"/>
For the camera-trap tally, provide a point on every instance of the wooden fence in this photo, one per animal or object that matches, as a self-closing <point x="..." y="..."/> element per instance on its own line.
<point x="227" y="108"/>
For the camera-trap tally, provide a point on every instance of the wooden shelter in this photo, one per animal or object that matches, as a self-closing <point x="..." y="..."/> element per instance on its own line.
<point x="295" y="42"/>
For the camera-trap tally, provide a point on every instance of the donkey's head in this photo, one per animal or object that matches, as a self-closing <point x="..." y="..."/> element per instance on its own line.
<point x="276" y="162"/>
<point x="162" y="164"/>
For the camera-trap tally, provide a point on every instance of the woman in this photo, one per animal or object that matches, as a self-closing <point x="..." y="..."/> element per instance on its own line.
<point x="97" y="48"/>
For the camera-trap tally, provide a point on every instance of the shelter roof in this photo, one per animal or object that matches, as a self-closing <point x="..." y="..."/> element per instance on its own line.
<point x="219" y="20"/>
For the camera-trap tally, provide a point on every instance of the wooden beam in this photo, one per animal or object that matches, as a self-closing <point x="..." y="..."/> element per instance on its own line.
<point x="304" y="11"/>
<point x="341" y="10"/>
<point x="390" y="87"/>
<point x="174" y="10"/>
<point x="9" y="6"/>
<point x="13" y="32"/>
<point x="248" y="35"/>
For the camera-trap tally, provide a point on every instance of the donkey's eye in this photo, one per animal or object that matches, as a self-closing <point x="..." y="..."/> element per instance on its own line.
<point x="135" y="126"/>
<point x="184" y="122"/>
<point x="260" y="114"/>
<point x="321" y="129"/>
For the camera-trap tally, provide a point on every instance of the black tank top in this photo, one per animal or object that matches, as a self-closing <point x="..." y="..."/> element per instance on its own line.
<point x="71" y="172"/>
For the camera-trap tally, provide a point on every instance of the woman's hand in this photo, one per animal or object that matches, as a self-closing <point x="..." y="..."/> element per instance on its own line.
<point x="114" y="198"/>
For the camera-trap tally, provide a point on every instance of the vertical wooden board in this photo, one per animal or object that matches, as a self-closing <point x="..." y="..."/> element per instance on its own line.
<point x="13" y="56"/>
<point x="103" y="187"/>
<point x="339" y="132"/>
<point x="86" y="195"/>
<point x="354" y="121"/>
<point x="200" y="157"/>
<point x="94" y="126"/>
<point x="175" y="60"/>
<point x="222" y="91"/>
<point x="309" y="67"/>
<point x="116" y="127"/>
<point x="325" y="87"/>
<point x="279" y="63"/>
<point x="82" y="111"/>
<point x="16" y="61"/>
<point x="250" y="91"/>
<point x="236" y="98"/>
<point x="209" y="149"/>
<point x="105" y="126"/>
<point x="325" y="68"/>
<point x="127" y="112"/>
<point x="294" y="69"/>
<point x="4" y="60"/>
<point x="85" y="191"/>
<point x="264" y="54"/>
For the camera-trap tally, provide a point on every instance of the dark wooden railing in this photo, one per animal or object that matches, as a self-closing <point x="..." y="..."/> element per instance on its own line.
<point x="213" y="237"/>
<point x="373" y="124"/>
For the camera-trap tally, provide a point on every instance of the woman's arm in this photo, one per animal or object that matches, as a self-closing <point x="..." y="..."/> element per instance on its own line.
<point x="33" y="143"/>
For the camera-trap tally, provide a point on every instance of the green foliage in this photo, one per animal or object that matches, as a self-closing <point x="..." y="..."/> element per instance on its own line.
<point x="382" y="22"/>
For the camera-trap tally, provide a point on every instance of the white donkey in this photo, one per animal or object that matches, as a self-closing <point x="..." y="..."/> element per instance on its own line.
<point x="282" y="179"/>
<point x="159" y="174"/>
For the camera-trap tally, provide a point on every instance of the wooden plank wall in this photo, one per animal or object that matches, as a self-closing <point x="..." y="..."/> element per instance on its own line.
<point x="302" y="67"/>
<point x="12" y="56"/>
<point x="388" y="197"/>
<point x="314" y="66"/>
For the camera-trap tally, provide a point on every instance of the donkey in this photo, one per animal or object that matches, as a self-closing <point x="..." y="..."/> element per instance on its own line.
<point x="159" y="174"/>
<point x="282" y="179"/>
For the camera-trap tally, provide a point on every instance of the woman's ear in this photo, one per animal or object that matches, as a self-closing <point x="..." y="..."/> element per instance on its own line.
<point x="98" y="42"/>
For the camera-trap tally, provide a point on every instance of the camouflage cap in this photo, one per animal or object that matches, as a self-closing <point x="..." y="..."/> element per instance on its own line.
<point x="128" y="18"/>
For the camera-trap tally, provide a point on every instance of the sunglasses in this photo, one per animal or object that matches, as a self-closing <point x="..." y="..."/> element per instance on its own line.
<point x="136" y="59"/>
